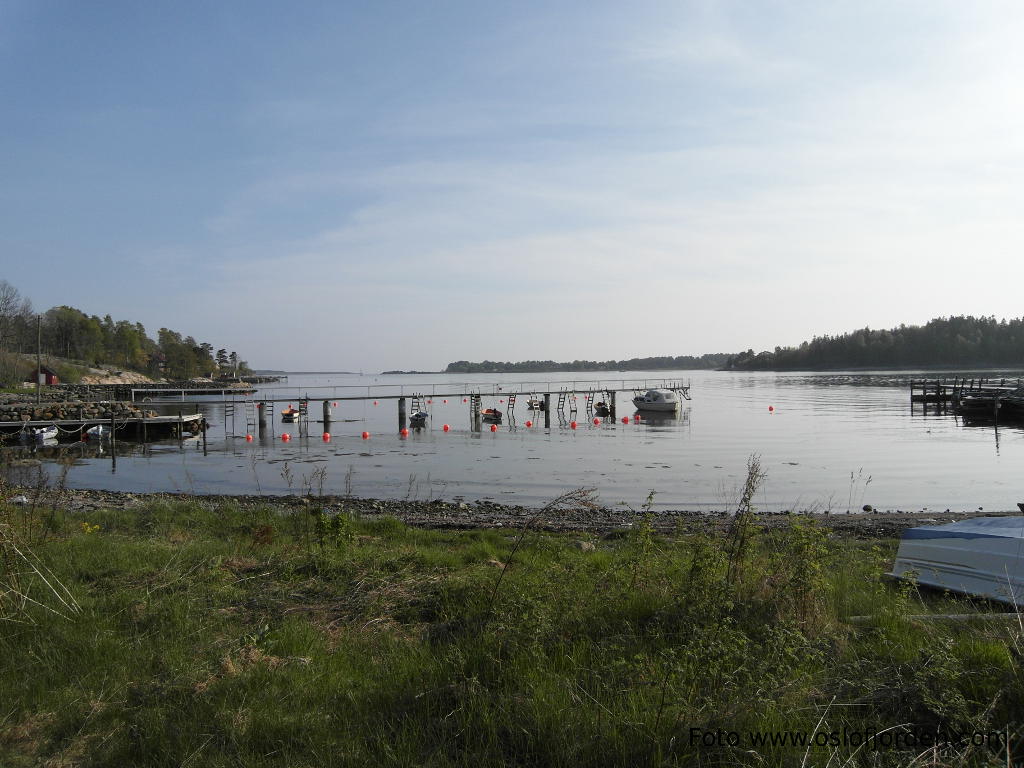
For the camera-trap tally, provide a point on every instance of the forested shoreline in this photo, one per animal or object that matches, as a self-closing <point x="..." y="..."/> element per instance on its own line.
<point x="954" y="342"/>
<point x="89" y="340"/>
<point x="686" y="362"/>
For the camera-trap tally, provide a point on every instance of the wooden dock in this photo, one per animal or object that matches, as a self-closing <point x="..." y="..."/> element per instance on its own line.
<point x="141" y="428"/>
<point x="979" y="400"/>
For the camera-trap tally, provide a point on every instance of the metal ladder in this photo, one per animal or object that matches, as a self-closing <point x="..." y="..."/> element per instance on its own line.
<point x="250" y="416"/>
<point x="304" y="415"/>
<point x="511" y="402"/>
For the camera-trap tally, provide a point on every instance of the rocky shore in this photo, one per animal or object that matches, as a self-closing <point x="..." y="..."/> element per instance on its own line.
<point x="460" y="515"/>
<point x="14" y="408"/>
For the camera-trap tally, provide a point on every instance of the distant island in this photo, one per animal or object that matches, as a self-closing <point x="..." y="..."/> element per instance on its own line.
<point x="954" y="342"/>
<point x="683" y="362"/>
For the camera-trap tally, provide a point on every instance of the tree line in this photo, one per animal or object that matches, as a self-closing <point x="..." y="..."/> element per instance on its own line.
<point x="71" y="334"/>
<point x="957" y="342"/>
<point x="685" y="362"/>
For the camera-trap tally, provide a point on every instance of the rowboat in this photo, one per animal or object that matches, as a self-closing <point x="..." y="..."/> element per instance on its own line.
<point x="983" y="556"/>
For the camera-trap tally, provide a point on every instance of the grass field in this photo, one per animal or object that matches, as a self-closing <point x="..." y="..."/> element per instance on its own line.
<point x="184" y="634"/>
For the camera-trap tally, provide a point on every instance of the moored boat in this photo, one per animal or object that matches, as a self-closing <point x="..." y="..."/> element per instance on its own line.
<point x="657" y="400"/>
<point x="290" y="414"/>
<point x="418" y="420"/>
<point x="490" y="414"/>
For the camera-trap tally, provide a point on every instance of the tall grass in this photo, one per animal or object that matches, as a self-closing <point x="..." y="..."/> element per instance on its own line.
<point x="233" y="635"/>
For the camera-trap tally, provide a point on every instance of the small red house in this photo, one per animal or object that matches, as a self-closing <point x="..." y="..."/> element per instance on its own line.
<point x="43" y="375"/>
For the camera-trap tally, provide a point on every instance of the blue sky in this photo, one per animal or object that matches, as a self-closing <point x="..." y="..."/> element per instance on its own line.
<point x="398" y="185"/>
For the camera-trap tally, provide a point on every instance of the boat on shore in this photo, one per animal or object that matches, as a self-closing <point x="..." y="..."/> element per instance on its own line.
<point x="982" y="557"/>
<point x="657" y="400"/>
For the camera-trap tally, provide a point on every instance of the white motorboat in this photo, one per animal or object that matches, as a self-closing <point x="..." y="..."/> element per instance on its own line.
<point x="657" y="400"/>
<point x="418" y="420"/>
<point x="101" y="431"/>
<point x="42" y="434"/>
<point x="983" y="556"/>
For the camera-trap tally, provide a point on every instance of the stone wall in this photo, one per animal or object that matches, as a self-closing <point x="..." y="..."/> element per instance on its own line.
<point x="70" y="411"/>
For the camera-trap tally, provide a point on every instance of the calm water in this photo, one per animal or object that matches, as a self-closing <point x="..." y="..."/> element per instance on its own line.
<point x="833" y="441"/>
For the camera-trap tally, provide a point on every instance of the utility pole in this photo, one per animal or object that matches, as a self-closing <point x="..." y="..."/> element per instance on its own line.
<point x="39" y="356"/>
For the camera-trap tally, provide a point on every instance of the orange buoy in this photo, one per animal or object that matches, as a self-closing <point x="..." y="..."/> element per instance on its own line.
<point x="327" y="437"/>
<point x="366" y="435"/>
<point x="404" y="432"/>
<point x="494" y="427"/>
<point x="285" y="437"/>
<point x="572" y="424"/>
<point x="248" y="438"/>
<point x="445" y="427"/>
<point x="529" y="423"/>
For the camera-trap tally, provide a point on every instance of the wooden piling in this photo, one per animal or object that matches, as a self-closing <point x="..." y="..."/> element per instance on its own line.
<point x="113" y="444"/>
<point x="401" y="414"/>
<point x="261" y="410"/>
<point x="327" y="415"/>
<point x="181" y="427"/>
<point x="547" y="410"/>
<point x="611" y="403"/>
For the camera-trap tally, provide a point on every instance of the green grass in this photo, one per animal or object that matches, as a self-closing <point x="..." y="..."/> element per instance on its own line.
<point x="243" y="637"/>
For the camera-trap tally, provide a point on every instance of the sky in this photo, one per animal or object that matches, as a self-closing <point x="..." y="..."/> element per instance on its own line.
<point x="398" y="185"/>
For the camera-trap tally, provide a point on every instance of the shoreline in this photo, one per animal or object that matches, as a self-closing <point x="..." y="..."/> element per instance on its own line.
<point x="456" y="515"/>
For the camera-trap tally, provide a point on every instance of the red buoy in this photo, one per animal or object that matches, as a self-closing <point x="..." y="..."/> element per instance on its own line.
<point x="366" y="435"/>
<point x="374" y="402"/>
<point x="463" y="399"/>
<point x="404" y="432"/>
<point x="445" y="427"/>
<point x="771" y="409"/>
<point x="445" y="401"/>
<point x="286" y="437"/>
<point x="596" y="421"/>
<point x="430" y="402"/>
<point x="334" y="405"/>
<point x="502" y="402"/>
<point x="529" y="423"/>
<point x="625" y="419"/>
<point x="494" y="427"/>
<point x="636" y="417"/>
<point x="248" y="438"/>
<point x="572" y="424"/>
<point x="327" y="437"/>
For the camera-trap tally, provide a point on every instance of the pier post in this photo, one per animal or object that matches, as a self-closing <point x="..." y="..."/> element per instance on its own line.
<point x="113" y="444"/>
<point x="261" y="410"/>
<point x="547" y="410"/>
<point x="611" y="403"/>
<point x="327" y="415"/>
<point x="181" y="427"/>
<point x="401" y="414"/>
<point x="202" y="426"/>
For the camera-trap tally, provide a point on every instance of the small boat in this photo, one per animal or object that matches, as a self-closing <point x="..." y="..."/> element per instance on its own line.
<point x="101" y="431"/>
<point x="40" y="435"/>
<point x="490" y="414"/>
<point x="602" y="409"/>
<point x="980" y="557"/>
<point x="657" y="400"/>
<point x="418" y="420"/>
<point x="290" y="414"/>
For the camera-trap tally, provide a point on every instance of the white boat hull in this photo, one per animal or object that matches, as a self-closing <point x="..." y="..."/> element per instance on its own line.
<point x="657" y="400"/>
<point x="983" y="557"/>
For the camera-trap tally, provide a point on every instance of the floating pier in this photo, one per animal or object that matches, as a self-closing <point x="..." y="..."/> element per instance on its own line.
<point x="973" y="398"/>
<point x="139" y="428"/>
